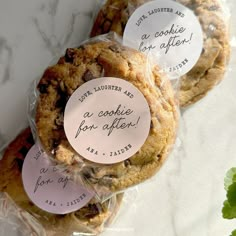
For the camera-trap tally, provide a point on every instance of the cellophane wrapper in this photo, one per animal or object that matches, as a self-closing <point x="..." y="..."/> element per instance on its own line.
<point x="102" y="178"/>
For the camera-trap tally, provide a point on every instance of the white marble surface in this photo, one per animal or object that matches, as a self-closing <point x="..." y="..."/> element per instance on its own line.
<point x="185" y="198"/>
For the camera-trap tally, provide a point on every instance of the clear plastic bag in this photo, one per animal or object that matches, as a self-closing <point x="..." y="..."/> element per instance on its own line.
<point x="20" y="216"/>
<point x="15" y="221"/>
<point x="18" y="221"/>
<point x="104" y="56"/>
<point x="212" y="64"/>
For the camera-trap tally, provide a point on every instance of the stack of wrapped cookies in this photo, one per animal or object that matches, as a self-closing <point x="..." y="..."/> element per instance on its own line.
<point x="105" y="115"/>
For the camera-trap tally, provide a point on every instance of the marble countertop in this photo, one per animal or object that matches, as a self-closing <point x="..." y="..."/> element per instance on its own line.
<point x="186" y="197"/>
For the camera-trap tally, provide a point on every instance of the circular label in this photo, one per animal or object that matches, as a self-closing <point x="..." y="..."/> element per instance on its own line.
<point x="107" y="120"/>
<point x="50" y="188"/>
<point x="169" y="32"/>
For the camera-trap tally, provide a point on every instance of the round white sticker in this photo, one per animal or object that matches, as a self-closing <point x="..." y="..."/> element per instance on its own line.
<point x="169" y="32"/>
<point x="107" y="120"/>
<point x="49" y="187"/>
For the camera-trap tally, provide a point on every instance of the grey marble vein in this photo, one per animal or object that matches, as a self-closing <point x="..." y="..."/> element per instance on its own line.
<point x="5" y="60"/>
<point x="52" y="47"/>
<point x="72" y="24"/>
<point x="71" y="28"/>
<point x="52" y="42"/>
<point x="53" y="6"/>
<point x="50" y="7"/>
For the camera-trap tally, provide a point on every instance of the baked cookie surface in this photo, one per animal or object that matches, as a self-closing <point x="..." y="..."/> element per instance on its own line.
<point x="211" y="66"/>
<point x="107" y="59"/>
<point x="90" y="219"/>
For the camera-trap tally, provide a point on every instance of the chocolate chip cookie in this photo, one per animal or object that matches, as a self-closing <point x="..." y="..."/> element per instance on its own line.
<point x="107" y="58"/>
<point x="211" y="66"/>
<point x="90" y="219"/>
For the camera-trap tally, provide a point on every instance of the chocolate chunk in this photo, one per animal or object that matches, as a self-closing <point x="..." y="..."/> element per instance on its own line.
<point x="4" y="188"/>
<point x="87" y="175"/>
<point x="69" y="56"/>
<point x="30" y="139"/>
<point x="107" y="26"/>
<point x="203" y="51"/>
<point x="23" y="151"/>
<point x="127" y="163"/>
<point x="151" y="125"/>
<point x="62" y="100"/>
<point x="42" y="88"/>
<point x="88" y="75"/>
<point x="55" y="143"/>
<point x="19" y="163"/>
<point x="59" y="120"/>
<point x="31" y="203"/>
<point x="123" y="25"/>
<point x="93" y="210"/>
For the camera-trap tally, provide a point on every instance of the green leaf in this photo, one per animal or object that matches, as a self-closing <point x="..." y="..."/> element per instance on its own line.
<point x="231" y="194"/>
<point x="230" y="178"/>
<point x="229" y="208"/>
<point x="228" y="211"/>
<point x="233" y="233"/>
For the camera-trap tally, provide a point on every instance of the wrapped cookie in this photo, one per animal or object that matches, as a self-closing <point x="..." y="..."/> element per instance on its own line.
<point x="107" y="113"/>
<point x="199" y="58"/>
<point x="91" y="219"/>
